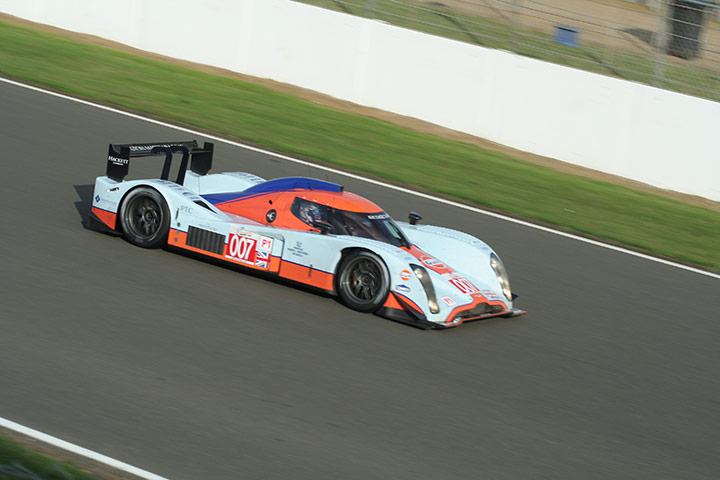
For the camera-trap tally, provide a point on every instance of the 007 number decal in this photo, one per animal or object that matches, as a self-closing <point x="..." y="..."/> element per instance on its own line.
<point x="250" y="248"/>
<point x="464" y="285"/>
<point x="242" y="247"/>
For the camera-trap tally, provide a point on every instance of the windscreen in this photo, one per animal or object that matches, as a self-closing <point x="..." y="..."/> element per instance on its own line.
<point x="377" y="226"/>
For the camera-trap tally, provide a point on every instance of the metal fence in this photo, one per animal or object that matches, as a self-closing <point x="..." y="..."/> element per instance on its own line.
<point x="673" y="44"/>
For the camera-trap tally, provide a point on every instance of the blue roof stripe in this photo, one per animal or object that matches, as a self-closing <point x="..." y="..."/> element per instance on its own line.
<point x="217" y="198"/>
<point x="276" y="185"/>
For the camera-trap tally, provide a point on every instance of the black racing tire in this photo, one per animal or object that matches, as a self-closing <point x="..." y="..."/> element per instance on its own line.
<point x="362" y="281"/>
<point x="145" y="218"/>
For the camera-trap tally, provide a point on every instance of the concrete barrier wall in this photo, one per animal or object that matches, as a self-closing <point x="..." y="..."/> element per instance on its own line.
<point x="636" y="131"/>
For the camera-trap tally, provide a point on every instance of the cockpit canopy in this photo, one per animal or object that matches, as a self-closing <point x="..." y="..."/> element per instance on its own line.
<point x="376" y="226"/>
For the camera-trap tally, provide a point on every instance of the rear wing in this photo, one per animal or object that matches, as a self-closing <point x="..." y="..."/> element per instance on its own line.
<point x="119" y="156"/>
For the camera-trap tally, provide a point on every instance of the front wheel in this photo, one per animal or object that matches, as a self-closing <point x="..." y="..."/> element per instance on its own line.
<point x="145" y="218"/>
<point x="363" y="281"/>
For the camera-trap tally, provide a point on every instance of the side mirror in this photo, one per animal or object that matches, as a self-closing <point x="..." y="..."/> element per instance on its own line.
<point x="414" y="218"/>
<point x="324" y="227"/>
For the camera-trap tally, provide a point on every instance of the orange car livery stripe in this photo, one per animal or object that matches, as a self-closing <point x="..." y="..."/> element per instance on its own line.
<point x="428" y="261"/>
<point x="108" y="218"/>
<point x="407" y="304"/>
<point x="476" y="302"/>
<point x="391" y="302"/>
<point x="307" y="275"/>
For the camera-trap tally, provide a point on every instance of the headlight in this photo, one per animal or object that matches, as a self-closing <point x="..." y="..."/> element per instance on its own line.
<point x="502" y="275"/>
<point x="424" y="278"/>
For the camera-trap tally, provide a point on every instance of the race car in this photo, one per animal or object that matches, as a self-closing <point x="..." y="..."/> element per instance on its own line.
<point x="306" y="230"/>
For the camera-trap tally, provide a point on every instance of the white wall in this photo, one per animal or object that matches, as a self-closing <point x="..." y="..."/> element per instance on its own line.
<point x="636" y="131"/>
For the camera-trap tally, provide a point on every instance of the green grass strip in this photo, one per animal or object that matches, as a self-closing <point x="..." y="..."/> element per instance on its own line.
<point x="249" y="112"/>
<point x="17" y="462"/>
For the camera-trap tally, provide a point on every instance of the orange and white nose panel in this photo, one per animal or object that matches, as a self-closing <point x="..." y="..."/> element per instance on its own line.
<point x="462" y="284"/>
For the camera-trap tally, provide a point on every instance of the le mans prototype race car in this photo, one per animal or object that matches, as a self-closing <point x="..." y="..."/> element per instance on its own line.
<point x="306" y="230"/>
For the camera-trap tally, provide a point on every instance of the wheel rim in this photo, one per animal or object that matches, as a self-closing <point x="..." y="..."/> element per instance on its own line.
<point x="143" y="217"/>
<point x="363" y="280"/>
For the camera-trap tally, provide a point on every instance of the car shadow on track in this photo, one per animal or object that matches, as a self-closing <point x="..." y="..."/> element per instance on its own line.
<point x="83" y="206"/>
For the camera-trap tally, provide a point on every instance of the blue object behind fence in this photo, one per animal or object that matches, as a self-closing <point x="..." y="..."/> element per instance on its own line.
<point x="566" y="35"/>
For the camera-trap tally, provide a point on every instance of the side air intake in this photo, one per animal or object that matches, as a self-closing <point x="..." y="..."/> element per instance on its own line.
<point x="206" y="240"/>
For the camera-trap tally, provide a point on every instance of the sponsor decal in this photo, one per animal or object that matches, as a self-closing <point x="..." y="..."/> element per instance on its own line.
<point x="118" y="160"/>
<point x="379" y="216"/>
<point x="172" y="185"/>
<point x="490" y="295"/>
<point x="402" y="289"/>
<point x="188" y="194"/>
<point x="405" y="275"/>
<point x="432" y="262"/>
<point x="100" y="201"/>
<point x="186" y="209"/>
<point x="297" y="250"/>
<point x="248" y="177"/>
<point x="148" y="148"/>
<point x="448" y="301"/>
<point x="271" y="215"/>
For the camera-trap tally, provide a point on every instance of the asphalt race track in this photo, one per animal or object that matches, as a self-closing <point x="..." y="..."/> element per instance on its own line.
<point x="193" y="371"/>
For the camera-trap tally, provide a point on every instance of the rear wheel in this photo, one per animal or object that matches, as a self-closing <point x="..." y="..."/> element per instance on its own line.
<point x="363" y="281"/>
<point x="145" y="218"/>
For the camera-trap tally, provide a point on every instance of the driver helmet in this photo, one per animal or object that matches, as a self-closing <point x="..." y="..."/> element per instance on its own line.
<point x="311" y="212"/>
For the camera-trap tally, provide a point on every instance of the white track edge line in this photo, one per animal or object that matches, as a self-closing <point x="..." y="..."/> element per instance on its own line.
<point x="370" y="180"/>
<point x="70" y="447"/>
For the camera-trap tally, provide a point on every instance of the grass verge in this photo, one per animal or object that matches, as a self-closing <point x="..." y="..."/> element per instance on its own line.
<point x="256" y="114"/>
<point x="19" y="462"/>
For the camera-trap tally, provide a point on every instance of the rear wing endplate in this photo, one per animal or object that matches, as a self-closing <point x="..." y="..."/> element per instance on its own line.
<point x="119" y="156"/>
